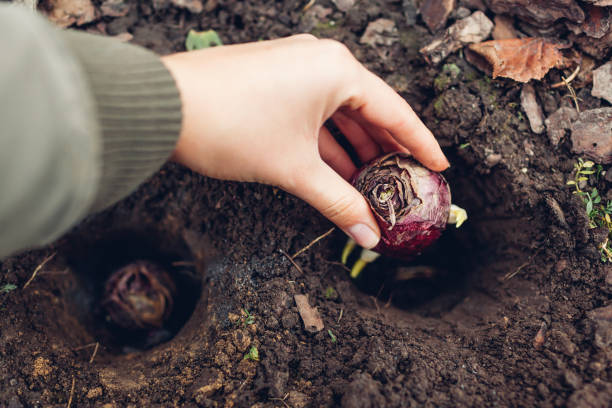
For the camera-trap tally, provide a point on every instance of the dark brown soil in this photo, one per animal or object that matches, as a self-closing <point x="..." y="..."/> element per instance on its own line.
<point x="502" y="323"/>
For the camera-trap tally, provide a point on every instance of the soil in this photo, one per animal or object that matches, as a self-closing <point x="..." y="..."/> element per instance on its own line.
<point x="501" y="319"/>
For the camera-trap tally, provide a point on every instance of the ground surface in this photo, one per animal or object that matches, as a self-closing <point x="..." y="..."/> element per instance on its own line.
<point x="504" y="323"/>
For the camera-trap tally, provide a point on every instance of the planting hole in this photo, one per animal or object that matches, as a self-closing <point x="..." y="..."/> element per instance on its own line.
<point x="495" y="239"/>
<point x="154" y="290"/>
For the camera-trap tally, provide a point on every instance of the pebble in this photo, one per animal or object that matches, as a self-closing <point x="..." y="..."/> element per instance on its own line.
<point x="493" y="159"/>
<point x="532" y="109"/>
<point x="602" y="82"/>
<point x="558" y="123"/>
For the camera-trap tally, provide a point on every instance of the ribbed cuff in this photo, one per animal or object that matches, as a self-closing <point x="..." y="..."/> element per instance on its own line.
<point x="138" y="108"/>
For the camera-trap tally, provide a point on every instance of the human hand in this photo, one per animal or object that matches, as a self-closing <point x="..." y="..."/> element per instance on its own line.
<point x="256" y="112"/>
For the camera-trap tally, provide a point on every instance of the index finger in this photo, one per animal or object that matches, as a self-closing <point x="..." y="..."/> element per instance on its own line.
<point x="380" y="105"/>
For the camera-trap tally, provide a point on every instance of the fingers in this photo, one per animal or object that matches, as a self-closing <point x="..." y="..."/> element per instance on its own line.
<point x="338" y="201"/>
<point x="334" y="155"/>
<point x="382" y="107"/>
<point x="363" y="144"/>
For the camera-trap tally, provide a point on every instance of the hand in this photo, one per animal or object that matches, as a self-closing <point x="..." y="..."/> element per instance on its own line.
<point x="255" y="112"/>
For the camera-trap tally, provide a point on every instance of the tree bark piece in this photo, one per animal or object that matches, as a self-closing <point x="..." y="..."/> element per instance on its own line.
<point x="312" y="320"/>
<point x="474" y="28"/>
<point x="532" y="108"/>
<point x="592" y="135"/>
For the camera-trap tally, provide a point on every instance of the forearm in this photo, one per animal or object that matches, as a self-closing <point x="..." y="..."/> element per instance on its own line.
<point x="83" y="121"/>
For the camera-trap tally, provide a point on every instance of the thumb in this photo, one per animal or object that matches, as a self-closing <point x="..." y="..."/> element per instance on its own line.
<point x="338" y="201"/>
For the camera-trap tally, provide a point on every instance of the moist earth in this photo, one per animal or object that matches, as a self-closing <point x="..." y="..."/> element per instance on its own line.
<point x="505" y="311"/>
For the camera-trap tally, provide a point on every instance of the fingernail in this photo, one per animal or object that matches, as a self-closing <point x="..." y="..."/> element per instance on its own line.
<point x="363" y="235"/>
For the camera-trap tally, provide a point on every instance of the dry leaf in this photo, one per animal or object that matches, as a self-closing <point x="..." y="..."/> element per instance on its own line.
<point x="521" y="59"/>
<point x="65" y="13"/>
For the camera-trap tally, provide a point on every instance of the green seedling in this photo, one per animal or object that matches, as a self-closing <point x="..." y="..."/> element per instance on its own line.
<point x="205" y="39"/>
<point x="330" y="292"/>
<point x="333" y="337"/>
<point x="599" y="214"/>
<point x="252" y="355"/>
<point x="6" y="288"/>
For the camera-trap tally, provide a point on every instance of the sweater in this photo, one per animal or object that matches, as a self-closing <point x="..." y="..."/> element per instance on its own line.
<point x="84" y="120"/>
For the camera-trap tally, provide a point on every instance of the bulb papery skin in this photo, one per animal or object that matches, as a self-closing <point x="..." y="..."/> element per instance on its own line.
<point x="410" y="203"/>
<point x="139" y="296"/>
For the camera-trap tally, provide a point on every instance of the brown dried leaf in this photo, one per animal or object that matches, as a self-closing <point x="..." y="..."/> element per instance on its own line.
<point x="65" y="13"/>
<point x="521" y="59"/>
<point x="312" y="320"/>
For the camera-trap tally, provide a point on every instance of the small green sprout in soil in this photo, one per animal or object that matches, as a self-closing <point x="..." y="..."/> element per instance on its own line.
<point x="8" y="287"/>
<point x="464" y="145"/>
<point x="333" y="337"/>
<point x="599" y="213"/>
<point x="199" y="40"/>
<point x="330" y="293"/>
<point x="252" y="355"/>
<point x="248" y="318"/>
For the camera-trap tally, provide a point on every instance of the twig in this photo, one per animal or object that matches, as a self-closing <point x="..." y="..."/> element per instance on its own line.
<point x="71" y="393"/>
<point x="511" y="275"/>
<point x="38" y="268"/>
<point x="314" y="241"/>
<point x="93" y="355"/>
<point x="566" y="82"/>
<point x="340" y="317"/>
<point x="308" y="5"/>
<point x="282" y="400"/>
<point x="291" y="260"/>
<point x="183" y="263"/>
<point x="84" y="346"/>
<point x="568" y="79"/>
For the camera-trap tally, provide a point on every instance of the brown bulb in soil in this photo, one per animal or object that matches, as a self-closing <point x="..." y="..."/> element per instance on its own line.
<point x="139" y="296"/>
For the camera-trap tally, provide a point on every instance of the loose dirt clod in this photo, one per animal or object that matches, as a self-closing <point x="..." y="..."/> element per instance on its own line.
<point x="312" y="320"/>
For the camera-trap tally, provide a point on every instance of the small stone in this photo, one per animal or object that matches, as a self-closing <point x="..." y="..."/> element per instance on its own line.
<point x="592" y="135"/>
<point x="540" y="336"/>
<point x="380" y="32"/>
<point x="493" y="159"/>
<point x="462" y="12"/>
<point x="532" y="108"/>
<point x="194" y="6"/>
<point x="558" y="123"/>
<point x="344" y="5"/>
<point x="94" y="393"/>
<point x="602" y="82"/>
